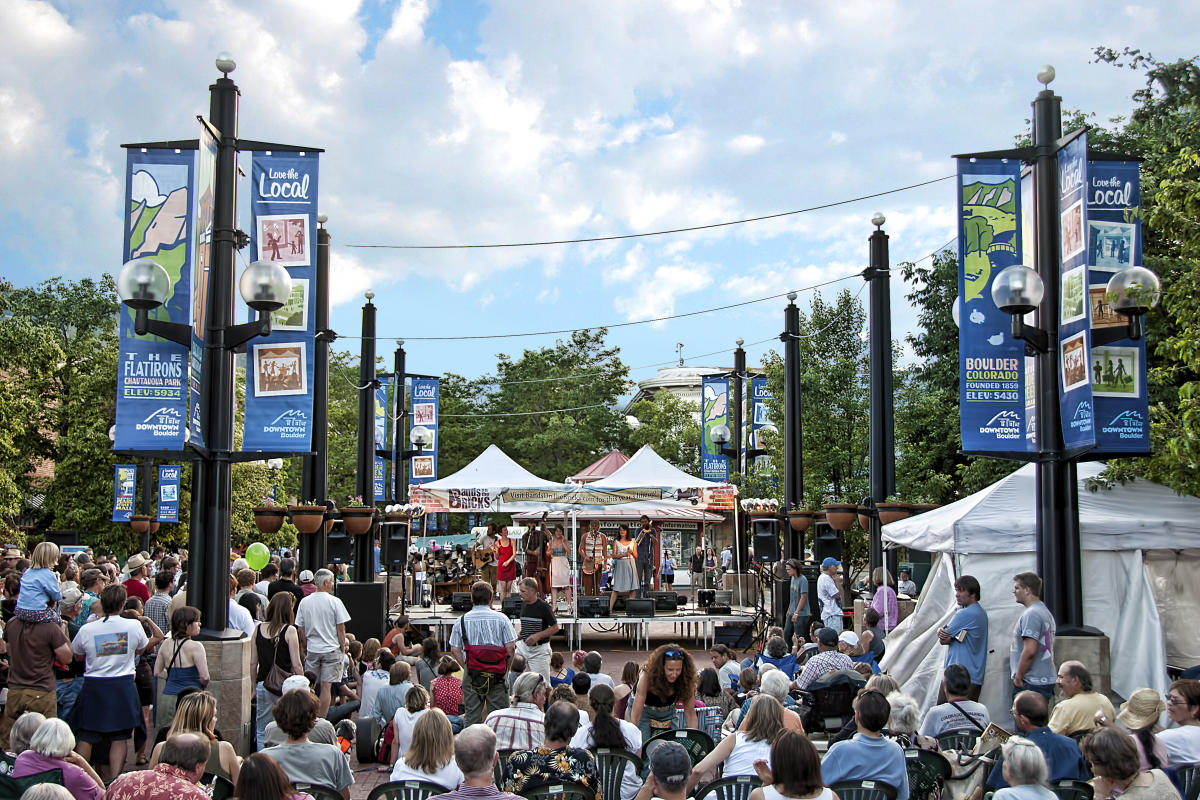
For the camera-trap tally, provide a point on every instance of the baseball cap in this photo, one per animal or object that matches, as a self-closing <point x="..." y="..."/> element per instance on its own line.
<point x="70" y="596"/>
<point x="293" y="682"/>
<point x="306" y="576"/>
<point x="239" y="564"/>
<point x="827" y="637"/>
<point x="830" y="561"/>
<point x="669" y="764"/>
<point x="849" y="637"/>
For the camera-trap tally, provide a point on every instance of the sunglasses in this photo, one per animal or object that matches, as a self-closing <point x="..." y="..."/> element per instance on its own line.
<point x="673" y="654"/>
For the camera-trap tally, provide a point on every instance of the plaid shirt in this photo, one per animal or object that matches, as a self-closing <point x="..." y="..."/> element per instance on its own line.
<point x="519" y="727"/>
<point x="156" y="610"/>
<point x="821" y="665"/>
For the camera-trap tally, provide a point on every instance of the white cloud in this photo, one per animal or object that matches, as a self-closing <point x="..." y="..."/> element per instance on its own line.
<point x="144" y="189"/>
<point x="656" y="296"/>
<point x="837" y="137"/>
<point x="745" y="144"/>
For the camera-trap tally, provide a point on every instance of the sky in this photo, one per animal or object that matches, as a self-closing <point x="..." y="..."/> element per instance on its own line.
<point x="471" y="122"/>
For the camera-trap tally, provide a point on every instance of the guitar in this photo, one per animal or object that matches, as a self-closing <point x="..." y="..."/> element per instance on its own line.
<point x="482" y="557"/>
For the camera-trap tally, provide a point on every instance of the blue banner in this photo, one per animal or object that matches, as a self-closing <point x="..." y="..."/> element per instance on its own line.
<point x="423" y="468"/>
<point x="206" y="181"/>
<point x="1119" y="369"/>
<point x="760" y="415"/>
<point x="124" y="486"/>
<point x="151" y="406"/>
<point x="714" y="411"/>
<point x="991" y="365"/>
<point x="279" y="367"/>
<point x="168" y="492"/>
<point x="380" y="477"/>
<point x="1074" y="343"/>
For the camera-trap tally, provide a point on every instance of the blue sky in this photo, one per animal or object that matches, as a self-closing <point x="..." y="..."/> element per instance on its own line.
<point x="490" y="122"/>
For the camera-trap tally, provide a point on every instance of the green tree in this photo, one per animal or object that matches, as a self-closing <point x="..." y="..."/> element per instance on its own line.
<point x="671" y="426"/>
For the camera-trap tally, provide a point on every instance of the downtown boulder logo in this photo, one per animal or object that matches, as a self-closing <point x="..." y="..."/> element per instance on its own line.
<point x="291" y="424"/>
<point x="1081" y="420"/>
<point x="1005" y="425"/>
<point x="165" y="422"/>
<point x="1128" y="424"/>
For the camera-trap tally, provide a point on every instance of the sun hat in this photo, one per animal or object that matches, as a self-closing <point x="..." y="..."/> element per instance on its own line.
<point x="849" y="637"/>
<point x="135" y="563"/>
<point x="1141" y="710"/>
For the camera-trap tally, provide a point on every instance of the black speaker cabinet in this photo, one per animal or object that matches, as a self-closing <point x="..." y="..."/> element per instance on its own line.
<point x="511" y="606"/>
<point x="766" y="540"/>
<point x="665" y="601"/>
<point x="591" y="607"/>
<point x="720" y="609"/>
<point x="460" y="601"/>
<point x="394" y="547"/>
<point x="339" y="547"/>
<point x="826" y="542"/>
<point x="367" y="605"/>
<point x="639" y="607"/>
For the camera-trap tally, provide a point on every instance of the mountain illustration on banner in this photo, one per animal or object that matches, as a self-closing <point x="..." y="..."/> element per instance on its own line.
<point x="989" y="226"/>
<point x="158" y="224"/>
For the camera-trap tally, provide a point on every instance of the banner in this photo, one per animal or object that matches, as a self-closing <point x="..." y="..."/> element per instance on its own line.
<point x="760" y="416"/>
<point x="423" y="468"/>
<point x="206" y="181"/>
<point x="1074" y="342"/>
<point x="1120" y="399"/>
<point x="380" y="470"/>
<point x="714" y="411"/>
<point x="991" y="365"/>
<point x="124" y="485"/>
<point x="152" y="372"/>
<point x="279" y="367"/>
<point x="168" y="493"/>
<point x="568" y="497"/>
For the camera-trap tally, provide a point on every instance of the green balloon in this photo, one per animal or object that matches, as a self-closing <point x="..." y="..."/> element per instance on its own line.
<point x="257" y="555"/>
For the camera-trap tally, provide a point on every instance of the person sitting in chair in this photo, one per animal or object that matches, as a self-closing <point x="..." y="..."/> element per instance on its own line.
<point x="868" y="756"/>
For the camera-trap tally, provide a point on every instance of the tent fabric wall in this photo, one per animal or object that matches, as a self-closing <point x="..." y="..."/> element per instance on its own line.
<point x="1173" y="580"/>
<point x="913" y="656"/>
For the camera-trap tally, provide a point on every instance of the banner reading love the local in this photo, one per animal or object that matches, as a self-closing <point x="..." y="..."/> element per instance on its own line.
<point x="279" y="367"/>
<point x="124" y="485"/>
<point x="423" y="468"/>
<point x="168" y="492"/>
<point x="991" y="365"/>
<point x="151" y="409"/>
<point x="1074" y="321"/>
<point x="714" y="411"/>
<point x="1121" y="403"/>
<point x="380" y="474"/>
<point x="760" y="415"/>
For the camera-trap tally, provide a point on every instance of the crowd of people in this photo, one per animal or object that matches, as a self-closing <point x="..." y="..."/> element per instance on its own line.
<point x="103" y="663"/>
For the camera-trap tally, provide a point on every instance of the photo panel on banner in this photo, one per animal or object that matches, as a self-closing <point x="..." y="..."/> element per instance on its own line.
<point x="424" y="404"/>
<point x="714" y="412"/>
<point x="1074" y="337"/>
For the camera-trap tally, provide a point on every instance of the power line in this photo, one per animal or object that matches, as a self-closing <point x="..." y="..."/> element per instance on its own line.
<point x="649" y="233"/>
<point x="527" y="413"/>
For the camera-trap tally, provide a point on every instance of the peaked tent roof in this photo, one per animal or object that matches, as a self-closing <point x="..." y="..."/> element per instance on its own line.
<point x="491" y="468"/>
<point x="1140" y="515"/>
<point x="602" y="467"/>
<point x="648" y="468"/>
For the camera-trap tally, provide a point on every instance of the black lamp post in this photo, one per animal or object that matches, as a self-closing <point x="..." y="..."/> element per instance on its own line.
<point x="882" y="444"/>
<point x="364" y="479"/>
<point x="793" y="432"/>
<point x="143" y="285"/>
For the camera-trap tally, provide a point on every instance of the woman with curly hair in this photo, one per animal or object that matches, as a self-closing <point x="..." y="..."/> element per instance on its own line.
<point x="668" y="678"/>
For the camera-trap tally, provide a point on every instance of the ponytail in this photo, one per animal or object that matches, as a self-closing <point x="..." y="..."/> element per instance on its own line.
<point x="606" y="731"/>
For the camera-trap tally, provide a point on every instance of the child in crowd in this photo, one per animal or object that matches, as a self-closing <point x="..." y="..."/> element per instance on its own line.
<point x="38" y="598"/>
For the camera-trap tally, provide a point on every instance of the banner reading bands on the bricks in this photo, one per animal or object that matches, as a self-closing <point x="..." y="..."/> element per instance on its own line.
<point x="991" y="364"/>
<point x="152" y="372"/>
<point x="714" y="411"/>
<point x="1114" y="231"/>
<point x="423" y="468"/>
<point x="279" y="367"/>
<point x="1074" y="338"/>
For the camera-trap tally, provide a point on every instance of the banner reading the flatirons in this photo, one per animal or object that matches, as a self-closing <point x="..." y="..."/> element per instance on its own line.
<point x="279" y="367"/>
<point x="152" y="372"/>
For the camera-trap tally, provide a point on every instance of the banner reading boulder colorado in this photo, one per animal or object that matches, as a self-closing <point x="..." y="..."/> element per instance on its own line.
<point x="991" y="364"/>
<point x="279" y="367"/>
<point x="1074" y="340"/>
<point x="152" y="372"/>
<point x="714" y="411"/>
<point x="124" y="484"/>
<point x="168" y="492"/>
<point x="423" y="468"/>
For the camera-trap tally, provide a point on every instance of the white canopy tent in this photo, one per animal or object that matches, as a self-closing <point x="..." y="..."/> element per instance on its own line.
<point x="1131" y="536"/>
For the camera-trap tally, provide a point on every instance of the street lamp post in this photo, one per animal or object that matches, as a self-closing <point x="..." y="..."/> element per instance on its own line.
<point x="793" y="432"/>
<point x="364" y="480"/>
<point x="882" y="447"/>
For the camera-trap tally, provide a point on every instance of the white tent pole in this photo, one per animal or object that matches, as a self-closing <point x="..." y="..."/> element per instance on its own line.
<point x="737" y="548"/>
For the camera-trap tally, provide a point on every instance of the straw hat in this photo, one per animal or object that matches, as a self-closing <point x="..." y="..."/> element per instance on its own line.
<point x="135" y="563"/>
<point x="1141" y="710"/>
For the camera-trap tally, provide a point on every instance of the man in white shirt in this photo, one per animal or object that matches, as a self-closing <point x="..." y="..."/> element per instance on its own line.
<point x="239" y="617"/>
<point x="829" y="594"/>
<point x="906" y="585"/>
<point x="522" y="725"/>
<point x="322" y="618"/>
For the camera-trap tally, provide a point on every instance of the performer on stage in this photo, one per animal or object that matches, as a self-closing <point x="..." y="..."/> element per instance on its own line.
<point x="484" y="553"/>
<point x="506" y="567"/>
<point x="535" y="553"/>
<point x="624" y="581"/>
<point x="646" y="541"/>
<point x="560" y="566"/>
<point x="593" y="550"/>
<point x="538" y="624"/>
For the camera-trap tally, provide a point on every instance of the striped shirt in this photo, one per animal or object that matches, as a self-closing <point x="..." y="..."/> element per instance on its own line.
<point x="484" y="626"/>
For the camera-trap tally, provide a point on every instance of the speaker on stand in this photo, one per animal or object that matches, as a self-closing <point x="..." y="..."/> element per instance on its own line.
<point x="826" y="542"/>
<point x="339" y="546"/>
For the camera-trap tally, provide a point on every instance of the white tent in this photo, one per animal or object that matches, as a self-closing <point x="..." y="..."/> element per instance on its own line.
<point x="486" y="484"/>
<point x="1132" y="538"/>
<point x="664" y="484"/>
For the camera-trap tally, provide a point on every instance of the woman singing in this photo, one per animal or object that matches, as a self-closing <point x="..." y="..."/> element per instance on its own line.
<point x="668" y="678"/>
<point x="506" y="564"/>
<point x="624" y="578"/>
<point x="560" y="566"/>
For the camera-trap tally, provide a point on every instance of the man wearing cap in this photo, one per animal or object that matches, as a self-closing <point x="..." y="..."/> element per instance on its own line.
<point x="11" y="557"/>
<point x="828" y="659"/>
<point x="306" y="582"/>
<point x="829" y="595"/>
<point x="135" y="586"/>
<point x="1079" y="710"/>
<point x="670" y="769"/>
<point x="868" y="756"/>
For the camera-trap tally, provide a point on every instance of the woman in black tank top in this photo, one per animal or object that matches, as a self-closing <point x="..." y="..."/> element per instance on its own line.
<point x="275" y="642"/>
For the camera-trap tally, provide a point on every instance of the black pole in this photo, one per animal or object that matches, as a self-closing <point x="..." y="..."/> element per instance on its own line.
<point x="314" y="482"/>
<point x="882" y="446"/>
<point x="209" y="531"/>
<point x="1056" y="532"/>
<point x="793" y="433"/>
<point x="400" y="433"/>
<point x="364" y="480"/>
<point x="735" y="434"/>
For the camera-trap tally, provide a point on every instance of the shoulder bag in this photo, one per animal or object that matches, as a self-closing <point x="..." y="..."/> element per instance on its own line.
<point x="276" y="675"/>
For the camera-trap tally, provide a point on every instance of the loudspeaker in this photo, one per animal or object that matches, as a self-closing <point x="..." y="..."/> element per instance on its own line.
<point x="339" y="547"/>
<point x="460" y="601"/>
<point x="826" y="542"/>
<point x="394" y="547"/>
<point x="593" y="606"/>
<point x="720" y="609"/>
<point x="639" y="607"/>
<point x="730" y="633"/>
<point x="367" y="605"/>
<point x="706" y="597"/>
<point x="511" y="606"/>
<point x="665" y="601"/>
<point x="766" y="540"/>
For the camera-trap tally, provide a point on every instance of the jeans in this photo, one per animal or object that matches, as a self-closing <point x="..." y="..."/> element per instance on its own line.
<point x="645" y="573"/>
<point x="341" y="711"/>
<point x="456" y="723"/>
<point x="262" y="717"/>
<point x="799" y="628"/>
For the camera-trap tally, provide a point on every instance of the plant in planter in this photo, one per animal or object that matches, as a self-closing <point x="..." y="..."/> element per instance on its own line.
<point x="269" y="518"/>
<point x="892" y="510"/>
<point x="308" y="516"/>
<point x="840" y="516"/>
<point x="140" y="523"/>
<point x="356" y="517"/>
<point x="799" y="518"/>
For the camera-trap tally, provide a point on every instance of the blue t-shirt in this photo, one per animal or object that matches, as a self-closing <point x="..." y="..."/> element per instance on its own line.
<point x="971" y="652"/>
<point x="1036" y="623"/>
<point x="866" y="758"/>
<point x="38" y="588"/>
<point x="1063" y="758"/>
<point x="798" y="587"/>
